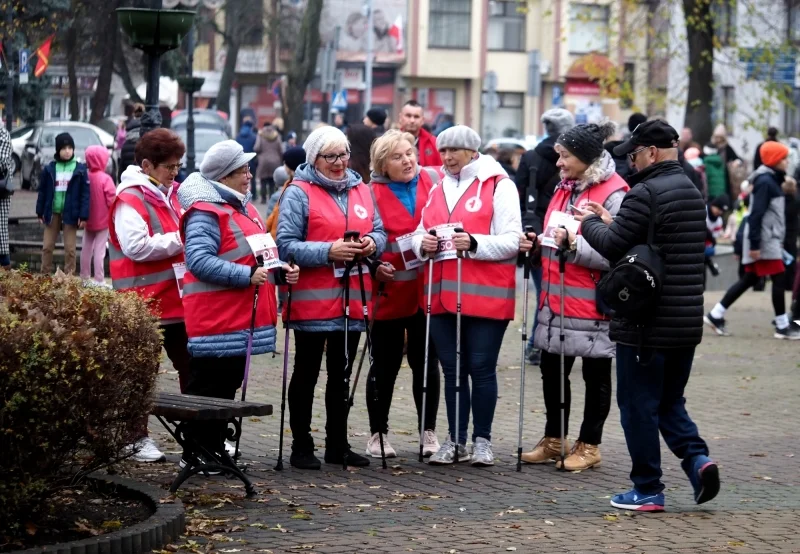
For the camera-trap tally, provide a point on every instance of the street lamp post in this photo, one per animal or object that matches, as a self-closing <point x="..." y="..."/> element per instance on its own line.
<point x="190" y="85"/>
<point x="9" y="62"/>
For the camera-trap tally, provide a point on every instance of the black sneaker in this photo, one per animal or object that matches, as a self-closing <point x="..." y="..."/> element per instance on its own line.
<point x="304" y="460"/>
<point x="353" y="459"/>
<point x="718" y="324"/>
<point x="792" y="332"/>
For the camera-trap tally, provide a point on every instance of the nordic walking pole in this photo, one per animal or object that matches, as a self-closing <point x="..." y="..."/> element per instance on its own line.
<point x="562" y="267"/>
<point x="527" y="275"/>
<point x="381" y="286"/>
<point x="427" y="349"/>
<point x="368" y="343"/>
<point x="260" y="261"/>
<point x="353" y="236"/>
<point x="459" y="257"/>
<point x="279" y="465"/>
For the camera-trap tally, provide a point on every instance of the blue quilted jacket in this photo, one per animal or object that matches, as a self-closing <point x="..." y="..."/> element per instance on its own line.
<point x="201" y="247"/>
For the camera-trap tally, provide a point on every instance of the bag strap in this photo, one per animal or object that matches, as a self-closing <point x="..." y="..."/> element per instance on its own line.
<point x="651" y="229"/>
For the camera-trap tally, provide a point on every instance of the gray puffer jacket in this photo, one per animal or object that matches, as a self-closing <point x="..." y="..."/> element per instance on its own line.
<point x="584" y="337"/>
<point x="293" y="230"/>
<point x="765" y="225"/>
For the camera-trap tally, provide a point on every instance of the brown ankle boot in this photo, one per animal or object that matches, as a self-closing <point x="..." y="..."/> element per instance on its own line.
<point x="548" y="449"/>
<point x="583" y="456"/>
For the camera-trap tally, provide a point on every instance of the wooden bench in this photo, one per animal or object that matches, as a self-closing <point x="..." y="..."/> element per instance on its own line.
<point x="177" y="411"/>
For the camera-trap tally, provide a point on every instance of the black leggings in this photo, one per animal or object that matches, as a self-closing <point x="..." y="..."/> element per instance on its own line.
<point x="750" y="280"/>
<point x="596" y="375"/>
<point x="387" y="348"/>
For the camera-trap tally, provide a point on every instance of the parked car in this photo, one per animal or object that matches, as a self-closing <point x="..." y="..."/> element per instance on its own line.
<point x="19" y="137"/>
<point x="528" y="143"/>
<point x="40" y="147"/>
<point x="203" y="140"/>
<point x="203" y="119"/>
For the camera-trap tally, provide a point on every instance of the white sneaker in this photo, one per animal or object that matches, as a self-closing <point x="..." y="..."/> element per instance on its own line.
<point x="482" y="455"/>
<point x="374" y="447"/>
<point x="230" y="448"/>
<point x="183" y="463"/>
<point x="430" y="444"/>
<point x="145" y="450"/>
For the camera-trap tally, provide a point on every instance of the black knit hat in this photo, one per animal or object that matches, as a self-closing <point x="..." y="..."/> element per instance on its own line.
<point x="293" y="157"/>
<point x="377" y="116"/>
<point x="62" y="140"/>
<point x="586" y="141"/>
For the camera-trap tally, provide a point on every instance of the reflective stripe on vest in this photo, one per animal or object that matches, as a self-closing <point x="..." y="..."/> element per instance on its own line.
<point x="318" y="295"/>
<point x="403" y="296"/>
<point x="213" y="309"/>
<point x="488" y="287"/>
<point x="150" y="280"/>
<point x="580" y="283"/>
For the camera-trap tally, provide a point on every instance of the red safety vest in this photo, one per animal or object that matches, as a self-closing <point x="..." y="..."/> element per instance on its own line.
<point x="487" y="287"/>
<point x="214" y="309"/>
<point x="149" y="279"/>
<point x="580" y="283"/>
<point x="401" y="297"/>
<point x="318" y="294"/>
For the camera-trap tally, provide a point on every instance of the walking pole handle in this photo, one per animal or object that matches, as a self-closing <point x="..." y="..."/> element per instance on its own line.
<point x="289" y="297"/>
<point x="563" y="248"/>
<point x="527" y="265"/>
<point x="459" y="253"/>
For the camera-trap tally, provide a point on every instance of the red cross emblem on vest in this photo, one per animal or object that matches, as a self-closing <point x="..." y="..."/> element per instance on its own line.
<point x="360" y="211"/>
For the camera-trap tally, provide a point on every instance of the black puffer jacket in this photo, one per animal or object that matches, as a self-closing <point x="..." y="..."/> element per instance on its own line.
<point x="127" y="154"/>
<point x="537" y="177"/>
<point x="680" y="233"/>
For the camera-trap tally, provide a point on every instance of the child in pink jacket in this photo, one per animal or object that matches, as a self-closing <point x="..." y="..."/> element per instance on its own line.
<point x="101" y="192"/>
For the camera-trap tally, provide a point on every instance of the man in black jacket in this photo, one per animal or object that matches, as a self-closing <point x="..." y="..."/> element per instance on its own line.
<point x="537" y="177"/>
<point x="654" y="358"/>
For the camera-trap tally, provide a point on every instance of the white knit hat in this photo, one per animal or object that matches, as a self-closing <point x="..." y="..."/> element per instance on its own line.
<point x="319" y="138"/>
<point x="459" y="136"/>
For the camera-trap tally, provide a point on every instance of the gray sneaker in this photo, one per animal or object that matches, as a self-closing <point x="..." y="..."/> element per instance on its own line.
<point x="447" y="453"/>
<point x="482" y="453"/>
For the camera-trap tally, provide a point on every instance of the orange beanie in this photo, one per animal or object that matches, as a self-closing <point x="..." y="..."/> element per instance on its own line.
<point x="772" y="152"/>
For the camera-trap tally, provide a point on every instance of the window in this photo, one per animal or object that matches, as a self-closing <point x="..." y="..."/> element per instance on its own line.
<point x="506" y="26"/>
<point x="588" y="28"/>
<point x="728" y="108"/>
<point x="724" y="14"/>
<point x="507" y="119"/>
<point x="250" y="23"/>
<point x="627" y="86"/>
<point x="449" y="23"/>
<point x="793" y="20"/>
<point x="791" y="117"/>
<point x="82" y="136"/>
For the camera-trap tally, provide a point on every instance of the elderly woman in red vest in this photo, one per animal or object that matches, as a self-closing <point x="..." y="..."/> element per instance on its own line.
<point x="225" y="237"/>
<point x="145" y="246"/>
<point x="477" y="196"/>
<point x="401" y="189"/>
<point x="325" y="200"/>
<point x="587" y="174"/>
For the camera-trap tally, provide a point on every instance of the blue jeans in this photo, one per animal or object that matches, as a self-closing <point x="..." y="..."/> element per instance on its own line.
<point x="650" y="399"/>
<point x="537" y="282"/>
<point x="481" y="339"/>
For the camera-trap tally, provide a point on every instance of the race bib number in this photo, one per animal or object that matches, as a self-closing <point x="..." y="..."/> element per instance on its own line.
<point x="558" y="219"/>
<point x="447" y="250"/>
<point x="339" y="267"/>
<point x="409" y="258"/>
<point x="180" y="272"/>
<point x="264" y="245"/>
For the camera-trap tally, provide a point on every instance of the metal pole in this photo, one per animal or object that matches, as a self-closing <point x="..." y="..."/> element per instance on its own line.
<point x="190" y="148"/>
<point x="337" y="33"/>
<point x="368" y="63"/>
<point x="152" y="118"/>
<point x="9" y="48"/>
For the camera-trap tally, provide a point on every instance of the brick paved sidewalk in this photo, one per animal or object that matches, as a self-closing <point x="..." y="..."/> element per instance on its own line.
<point x="743" y="395"/>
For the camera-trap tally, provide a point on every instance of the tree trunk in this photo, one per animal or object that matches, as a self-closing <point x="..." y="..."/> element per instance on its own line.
<point x="302" y="66"/>
<point x="101" y="96"/>
<point x="700" y="40"/>
<point x="121" y="69"/>
<point x="227" y="77"/>
<point x="72" y="54"/>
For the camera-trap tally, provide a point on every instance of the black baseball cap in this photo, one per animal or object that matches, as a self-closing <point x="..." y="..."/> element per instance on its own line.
<point x="650" y="133"/>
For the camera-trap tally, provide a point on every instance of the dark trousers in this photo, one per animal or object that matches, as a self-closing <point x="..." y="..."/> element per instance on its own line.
<point x="307" y="363"/>
<point x="536" y="274"/>
<point x="597" y="404"/>
<point x="481" y="339"/>
<point x="751" y="280"/>
<point x="387" y="348"/>
<point x="650" y="399"/>
<point x="215" y="378"/>
<point x="267" y="188"/>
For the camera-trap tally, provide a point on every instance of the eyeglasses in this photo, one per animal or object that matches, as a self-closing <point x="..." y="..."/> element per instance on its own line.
<point x="173" y="168"/>
<point x="331" y="158"/>
<point x="245" y="171"/>
<point x="633" y="154"/>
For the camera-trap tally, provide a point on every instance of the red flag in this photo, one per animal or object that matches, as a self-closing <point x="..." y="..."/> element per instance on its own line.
<point x="43" y="57"/>
<point x="396" y="31"/>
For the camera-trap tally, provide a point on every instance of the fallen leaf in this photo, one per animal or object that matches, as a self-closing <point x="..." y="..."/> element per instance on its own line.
<point x="425" y="507"/>
<point x="515" y="511"/>
<point x="511" y="548"/>
<point x="112" y="525"/>
<point x="548" y="522"/>
<point x="463" y="509"/>
<point x="301" y="516"/>
<point x="364" y="505"/>
<point x="230" y="550"/>
<point x="460" y="480"/>
<point x="737" y="543"/>
<point x="610" y="517"/>
<point x="31" y="528"/>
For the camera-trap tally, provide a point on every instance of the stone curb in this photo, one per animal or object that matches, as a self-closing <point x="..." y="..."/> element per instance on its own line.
<point x="163" y="527"/>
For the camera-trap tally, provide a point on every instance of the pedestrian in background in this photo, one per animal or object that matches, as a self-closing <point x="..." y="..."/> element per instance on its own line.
<point x="63" y="203"/>
<point x="587" y="174"/>
<point x="133" y="130"/>
<point x="7" y="173"/>
<point x="269" y="148"/>
<point x="411" y="121"/>
<point x="360" y="138"/>
<point x="101" y="195"/>
<point x="655" y="355"/>
<point x="477" y="194"/>
<point x="247" y="140"/>
<point x="375" y="119"/>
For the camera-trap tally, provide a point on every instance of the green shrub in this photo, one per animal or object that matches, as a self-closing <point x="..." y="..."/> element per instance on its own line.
<point x="77" y="372"/>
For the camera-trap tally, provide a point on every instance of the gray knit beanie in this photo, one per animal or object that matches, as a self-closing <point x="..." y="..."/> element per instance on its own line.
<point x="279" y="176"/>
<point x="557" y="121"/>
<point x="222" y="159"/>
<point x="459" y="136"/>
<point x="319" y="138"/>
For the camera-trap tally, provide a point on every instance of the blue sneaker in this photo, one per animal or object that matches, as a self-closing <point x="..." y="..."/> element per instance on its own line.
<point x="637" y="502"/>
<point x="704" y="476"/>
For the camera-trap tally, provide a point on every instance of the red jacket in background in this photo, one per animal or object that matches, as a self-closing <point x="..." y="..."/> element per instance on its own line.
<point x="101" y="188"/>
<point x="428" y="154"/>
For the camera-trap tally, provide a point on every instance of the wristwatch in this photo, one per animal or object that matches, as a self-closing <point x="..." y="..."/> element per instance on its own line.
<point x="573" y="246"/>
